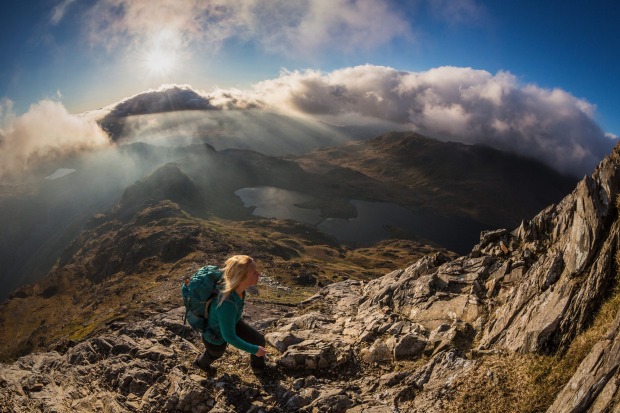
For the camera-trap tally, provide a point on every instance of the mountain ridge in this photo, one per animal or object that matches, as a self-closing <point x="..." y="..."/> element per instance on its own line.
<point x="424" y="166"/>
<point x="37" y="219"/>
<point x="411" y="340"/>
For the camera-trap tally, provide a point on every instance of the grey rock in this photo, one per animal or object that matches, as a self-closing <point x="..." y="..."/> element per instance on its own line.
<point x="379" y="352"/>
<point x="282" y="340"/>
<point x="302" y="399"/>
<point x="594" y="386"/>
<point x="315" y="355"/>
<point x="409" y="346"/>
<point x="332" y="401"/>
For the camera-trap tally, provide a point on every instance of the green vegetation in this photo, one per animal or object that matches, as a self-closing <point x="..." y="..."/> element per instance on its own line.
<point x="526" y="383"/>
<point x="152" y="254"/>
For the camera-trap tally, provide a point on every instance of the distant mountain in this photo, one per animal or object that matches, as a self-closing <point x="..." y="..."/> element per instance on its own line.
<point x="414" y="187"/>
<point x="484" y="184"/>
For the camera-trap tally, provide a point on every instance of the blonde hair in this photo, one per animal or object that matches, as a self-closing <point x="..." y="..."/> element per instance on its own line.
<point x="235" y="270"/>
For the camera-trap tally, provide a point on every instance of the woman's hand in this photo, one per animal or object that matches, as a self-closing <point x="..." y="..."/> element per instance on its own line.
<point x="261" y="351"/>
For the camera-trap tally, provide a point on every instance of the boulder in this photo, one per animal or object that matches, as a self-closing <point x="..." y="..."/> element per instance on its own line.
<point x="409" y="347"/>
<point x="315" y="355"/>
<point x="282" y="340"/>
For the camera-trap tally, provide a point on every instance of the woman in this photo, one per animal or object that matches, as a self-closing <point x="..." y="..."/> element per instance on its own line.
<point x="225" y="324"/>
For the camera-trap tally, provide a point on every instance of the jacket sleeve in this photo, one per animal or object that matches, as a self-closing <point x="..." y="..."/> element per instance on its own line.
<point x="227" y="312"/>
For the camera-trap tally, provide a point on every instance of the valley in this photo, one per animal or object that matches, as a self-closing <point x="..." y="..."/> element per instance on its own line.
<point x="428" y="202"/>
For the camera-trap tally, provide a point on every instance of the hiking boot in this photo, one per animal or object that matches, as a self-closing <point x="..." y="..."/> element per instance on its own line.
<point x="207" y="368"/>
<point x="263" y="367"/>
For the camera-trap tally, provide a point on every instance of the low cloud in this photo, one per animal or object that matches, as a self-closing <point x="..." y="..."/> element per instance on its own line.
<point x="449" y="103"/>
<point x="47" y="131"/>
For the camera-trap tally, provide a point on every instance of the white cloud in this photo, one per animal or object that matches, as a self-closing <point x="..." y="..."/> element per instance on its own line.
<point x="299" y="28"/>
<point x="449" y="103"/>
<point x="312" y="26"/>
<point x="6" y="113"/>
<point x="59" y="11"/>
<point x="46" y="131"/>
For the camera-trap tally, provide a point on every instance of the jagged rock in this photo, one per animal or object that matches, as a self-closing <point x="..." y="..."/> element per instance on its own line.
<point x="594" y="386"/>
<point x="370" y="409"/>
<point x="302" y="399"/>
<point x="332" y="401"/>
<point x="83" y="353"/>
<point x="282" y="340"/>
<point x="551" y="301"/>
<point x="142" y="374"/>
<point x="447" y="336"/>
<point x="315" y="355"/>
<point x="377" y="353"/>
<point x="409" y="346"/>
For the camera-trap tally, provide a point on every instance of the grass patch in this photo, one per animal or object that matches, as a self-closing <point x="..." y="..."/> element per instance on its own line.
<point x="530" y="383"/>
<point x="283" y="297"/>
<point x="552" y="373"/>
<point x="298" y="258"/>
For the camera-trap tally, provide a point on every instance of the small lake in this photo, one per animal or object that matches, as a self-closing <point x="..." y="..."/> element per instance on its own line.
<point x="59" y="173"/>
<point x="271" y="202"/>
<point x="371" y="223"/>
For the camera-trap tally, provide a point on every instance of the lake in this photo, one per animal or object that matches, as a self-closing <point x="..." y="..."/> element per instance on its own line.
<point x="371" y="223"/>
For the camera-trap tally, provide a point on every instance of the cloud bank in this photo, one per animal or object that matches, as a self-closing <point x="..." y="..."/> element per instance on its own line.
<point x="448" y="103"/>
<point x="46" y="131"/>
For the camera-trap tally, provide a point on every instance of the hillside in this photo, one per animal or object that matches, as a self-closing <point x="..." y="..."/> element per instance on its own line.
<point x="131" y="262"/>
<point x="484" y="184"/>
<point x="41" y="217"/>
<point x="525" y="322"/>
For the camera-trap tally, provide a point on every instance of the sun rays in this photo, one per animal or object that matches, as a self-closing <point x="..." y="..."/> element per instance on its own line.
<point x="159" y="62"/>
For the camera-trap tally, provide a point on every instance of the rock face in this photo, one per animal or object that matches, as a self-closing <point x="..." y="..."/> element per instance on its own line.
<point x="111" y="373"/>
<point x="530" y="291"/>
<point x="397" y="343"/>
<point x="594" y="387"/>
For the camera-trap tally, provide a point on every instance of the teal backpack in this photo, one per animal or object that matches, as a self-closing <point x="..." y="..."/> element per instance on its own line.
<point x="198" y="291"/>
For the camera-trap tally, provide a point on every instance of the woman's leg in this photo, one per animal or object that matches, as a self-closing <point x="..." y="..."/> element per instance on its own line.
<point x="212" y="352"/>
<point x="251" y="335"/>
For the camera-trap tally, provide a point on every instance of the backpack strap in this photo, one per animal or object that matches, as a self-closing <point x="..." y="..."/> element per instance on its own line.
<point x="207" y="304"/>
<point x="186" y="301"/>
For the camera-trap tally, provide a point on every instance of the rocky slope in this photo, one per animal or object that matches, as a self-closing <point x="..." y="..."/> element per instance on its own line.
<point x="129" y="263"/>
<point x="412" y="340"/>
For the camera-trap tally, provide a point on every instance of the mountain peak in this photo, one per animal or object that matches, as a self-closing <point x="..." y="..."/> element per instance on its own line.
<point x="166" y="183"/>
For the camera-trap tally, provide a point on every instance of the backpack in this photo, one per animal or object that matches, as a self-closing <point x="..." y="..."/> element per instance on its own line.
<point x="198" y="291"/>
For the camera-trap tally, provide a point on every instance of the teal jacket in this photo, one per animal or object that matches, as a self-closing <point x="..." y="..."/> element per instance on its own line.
<point x="222" y="322"/>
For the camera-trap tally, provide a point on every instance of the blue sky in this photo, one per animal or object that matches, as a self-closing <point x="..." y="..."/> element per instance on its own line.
<point x="572" y="45"/>
<point x="85" y="54"/>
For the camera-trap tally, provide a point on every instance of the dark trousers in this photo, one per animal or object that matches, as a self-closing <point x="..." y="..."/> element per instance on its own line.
<point x="245" y="332"/>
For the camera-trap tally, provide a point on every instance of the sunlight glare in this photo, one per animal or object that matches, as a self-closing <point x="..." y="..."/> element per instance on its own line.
<point x="160" y="62"/>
